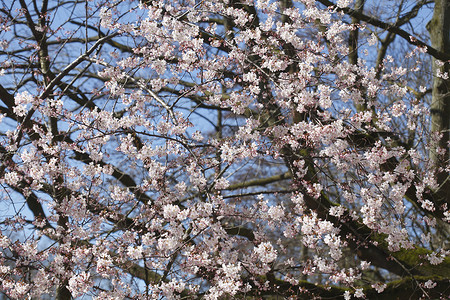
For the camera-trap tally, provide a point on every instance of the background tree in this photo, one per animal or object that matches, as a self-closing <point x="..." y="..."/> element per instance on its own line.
<point x="183" y="149"/>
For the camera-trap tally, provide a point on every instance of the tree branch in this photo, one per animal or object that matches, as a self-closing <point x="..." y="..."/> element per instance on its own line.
<point x="391" y="28"/>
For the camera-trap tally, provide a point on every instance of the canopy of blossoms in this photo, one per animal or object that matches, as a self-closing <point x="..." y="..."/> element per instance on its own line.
<point x="220" y="149"/>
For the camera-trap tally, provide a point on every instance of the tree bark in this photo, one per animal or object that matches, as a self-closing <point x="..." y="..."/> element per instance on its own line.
<point x="439" y="29"/>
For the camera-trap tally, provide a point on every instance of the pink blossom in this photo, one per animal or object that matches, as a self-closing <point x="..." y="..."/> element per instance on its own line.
<point x="265" y="252"/>
<point x="429" y="284"/>
<point x="379" y="287"/>
<point x="79" y="284"/>
<point x="359" y="293"/>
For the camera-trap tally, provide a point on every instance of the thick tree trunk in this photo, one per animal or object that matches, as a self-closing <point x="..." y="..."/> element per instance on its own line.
<point x="439" y="29"/>
<point x="62" y="293"/>
<point x="353" y="46"/>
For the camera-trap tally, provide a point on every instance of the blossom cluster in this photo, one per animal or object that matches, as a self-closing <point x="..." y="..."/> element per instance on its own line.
<point x="214" y="150"/>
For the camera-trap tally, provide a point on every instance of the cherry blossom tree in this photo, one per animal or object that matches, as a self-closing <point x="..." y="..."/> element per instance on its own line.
<point x="225" y="149"/>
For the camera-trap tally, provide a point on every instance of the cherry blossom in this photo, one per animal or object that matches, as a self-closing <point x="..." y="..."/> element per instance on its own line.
<point x="222" y="149"/>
